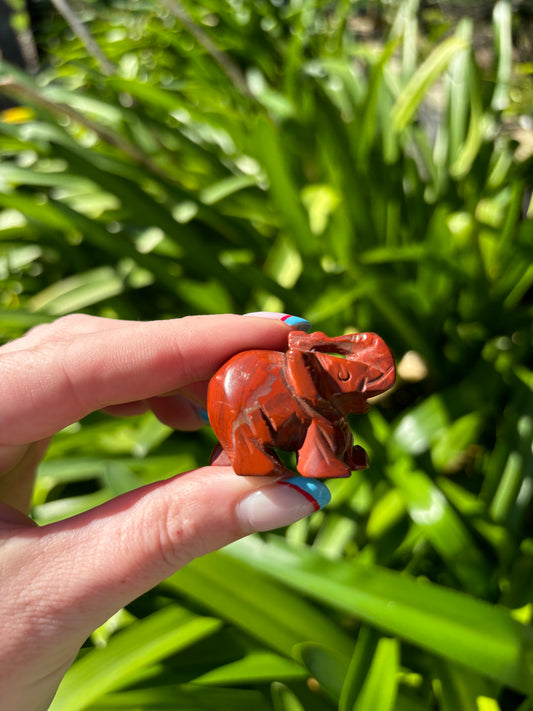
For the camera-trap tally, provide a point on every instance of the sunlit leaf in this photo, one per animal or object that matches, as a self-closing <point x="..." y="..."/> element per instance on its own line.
<point x="427" y="73"/>
<point x="161" y="634"/>
<point x="480" y="636"/>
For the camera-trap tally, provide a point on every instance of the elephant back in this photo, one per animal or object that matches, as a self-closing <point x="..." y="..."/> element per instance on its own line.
<point x="240" y="384"/>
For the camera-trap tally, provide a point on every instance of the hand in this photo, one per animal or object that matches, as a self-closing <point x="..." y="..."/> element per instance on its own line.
<point x="60" y="581"/>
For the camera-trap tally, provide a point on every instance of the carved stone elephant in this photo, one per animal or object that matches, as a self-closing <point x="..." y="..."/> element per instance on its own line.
<point x="260" y="401"/>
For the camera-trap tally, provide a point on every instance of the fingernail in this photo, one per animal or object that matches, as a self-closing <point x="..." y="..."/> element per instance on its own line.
<point x="284" y="502"/>
<point x="202" y="413"/>
<point x="298" y="323"/>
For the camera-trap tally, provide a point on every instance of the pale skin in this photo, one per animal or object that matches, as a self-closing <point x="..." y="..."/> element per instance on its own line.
<point x="61" y="581"/>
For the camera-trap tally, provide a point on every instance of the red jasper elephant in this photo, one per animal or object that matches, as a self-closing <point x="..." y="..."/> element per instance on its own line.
<point x="260" y="401"/>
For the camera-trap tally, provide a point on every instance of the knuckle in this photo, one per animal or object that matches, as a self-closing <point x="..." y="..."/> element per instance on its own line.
<point x="179" y="540"/>
<point x="64" y="326"/>
<point x="69" y="323"/>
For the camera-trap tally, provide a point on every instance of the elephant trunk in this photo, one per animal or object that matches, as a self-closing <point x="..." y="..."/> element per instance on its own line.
<point x="374" y="357"/>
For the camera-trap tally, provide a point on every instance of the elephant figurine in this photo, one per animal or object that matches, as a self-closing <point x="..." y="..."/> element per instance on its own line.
<point x="263" y="401"/>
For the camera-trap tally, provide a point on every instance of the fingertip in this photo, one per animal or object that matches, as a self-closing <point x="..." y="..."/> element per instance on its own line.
<point x="178" y="412"/>
<point x="296" y="322"/>
<point x="202" y="414"/>
<point x="313" y="489"/>
<point x="282" y="503"/>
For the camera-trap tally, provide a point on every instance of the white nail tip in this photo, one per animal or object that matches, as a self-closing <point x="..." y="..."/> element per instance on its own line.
<point x="273" y="507"/>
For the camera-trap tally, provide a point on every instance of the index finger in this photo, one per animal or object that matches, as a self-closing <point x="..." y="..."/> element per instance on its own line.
<point x="55" y="382"/>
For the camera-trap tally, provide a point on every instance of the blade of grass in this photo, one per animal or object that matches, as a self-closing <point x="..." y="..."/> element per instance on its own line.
<point x="84" y="35"/>
<point x="273" y="156"/>
<point x="476" y="130"/>
<point x="262" y="607"/>
<point x="256" y="667"/>
<point x="448" y="623"/>
<point x="381" y="685"/>
<point x="77" y="292"/>
<point x="459" y="689"/>
<point x="156" y="637"/>
<point x="185" y="697"/>
<point x="366" y="132"/>
<point x="359" y="667"/>
<point x="325" y="665"/>
<point x="427" y="73"/>
<point x="430" y="510"/>
<point x="502" y="21"/>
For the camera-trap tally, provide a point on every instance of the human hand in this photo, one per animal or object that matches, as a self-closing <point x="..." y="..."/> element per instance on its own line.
<point x="61" y="581"/>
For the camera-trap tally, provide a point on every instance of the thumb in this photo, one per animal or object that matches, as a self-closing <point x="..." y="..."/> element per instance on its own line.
<point x="95" y="563"/>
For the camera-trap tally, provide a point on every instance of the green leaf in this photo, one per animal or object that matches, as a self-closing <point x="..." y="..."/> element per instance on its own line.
<point x="502" y="20"/>
<point x="226" y="187"/>
<point x="262" y="607"/>
<point x="477" y="127"/>
<point x="381" y="686"/>
<point x="431" y="511"/>
<point x="325" y="665"/>
<point x="422" y="425"/>
<point x="460" y="83"/>
<point x="68" y="506"/>
<point x="359" y="667"/>
<point x="273" y="156"/>
<point x="385" y="513"/>
<point x="455" y="440"/>
<point x="185" y="697"/>
<point x="142" y="643"/>
<point x="427" y="73"/>
<point x="284" y="699"/>
<point x="77" y="292"/>
<point x="460" y="689"/>
<point x="365" y="138"/>
<point x="447" y="623"/>
<point x="256" y="667"/>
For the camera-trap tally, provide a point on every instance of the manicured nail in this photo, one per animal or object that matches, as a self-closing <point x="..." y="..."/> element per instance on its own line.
<point x="202" y="414"/>
<point x="284" y="502"/>
<point x="298" y="323"/>
<point x="313" y="489"/>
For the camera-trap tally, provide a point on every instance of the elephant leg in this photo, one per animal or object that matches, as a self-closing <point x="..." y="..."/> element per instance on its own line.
<point x="251" y="455"/>
<point x="219" y="458"/>
<point x="358" y="459"/>
<point x="317" y="457"/>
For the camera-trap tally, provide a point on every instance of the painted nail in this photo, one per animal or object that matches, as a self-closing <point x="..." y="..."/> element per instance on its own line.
<point x="284" y="502"/>
<point x="313" y="489"/>
<point x="202" y="413"/>
<point x="298" y="323"/>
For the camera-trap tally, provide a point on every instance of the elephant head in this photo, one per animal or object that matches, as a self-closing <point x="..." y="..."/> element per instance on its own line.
<point x="347" y="369"/>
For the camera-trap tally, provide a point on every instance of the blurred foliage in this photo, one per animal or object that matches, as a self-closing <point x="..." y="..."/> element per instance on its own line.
<point x="239" y="156"/>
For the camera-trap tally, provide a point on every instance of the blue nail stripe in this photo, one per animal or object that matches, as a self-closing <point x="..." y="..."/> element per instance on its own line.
<point x="313" y="489"/>
<point x="302" y="323"/>
<point x="202" y="413"/>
